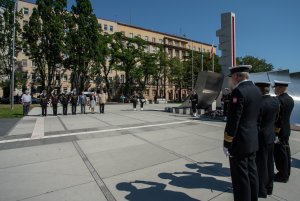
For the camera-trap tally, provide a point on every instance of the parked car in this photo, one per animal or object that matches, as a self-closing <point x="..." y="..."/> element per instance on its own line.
<point x="6" y="100"/>
<point x="35" y="100"/>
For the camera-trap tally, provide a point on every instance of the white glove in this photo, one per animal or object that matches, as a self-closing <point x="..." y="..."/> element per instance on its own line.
<point x="226" y="152"/>
<point x="277" y="141"/>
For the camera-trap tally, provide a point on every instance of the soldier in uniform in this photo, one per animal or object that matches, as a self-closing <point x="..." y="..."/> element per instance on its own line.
<point x="134" y="98"/>
<point x="74" y="101"/>
<point x="269" y="109"/>
<point x="241" y="134"/>
<point x="64" y="99"/>
<point x="54" y="101"/>
<point x="194" y="101"/>
<point x="44" y="102"/>
<point x="282" y="152"/>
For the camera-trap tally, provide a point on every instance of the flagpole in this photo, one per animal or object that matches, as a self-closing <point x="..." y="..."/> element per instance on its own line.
<point x="213" y="62"/>
<point x="201" y="58"/>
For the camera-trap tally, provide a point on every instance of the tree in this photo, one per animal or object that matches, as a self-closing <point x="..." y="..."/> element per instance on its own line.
<point x="6" y="36"/>
<point x="128" y="51"/>
<point x="44" y="38"/>
<point x="82" y="43"/>
<point x="177" y="74"/>
<point x="258" y="65"/>
<point x="32" y="34"/>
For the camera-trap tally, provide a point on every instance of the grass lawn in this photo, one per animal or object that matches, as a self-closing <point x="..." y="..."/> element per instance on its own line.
<point x="6" y="112"/>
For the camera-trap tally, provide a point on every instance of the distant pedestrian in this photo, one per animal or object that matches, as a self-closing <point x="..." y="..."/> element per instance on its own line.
<point x="282" y="152"/>
<point x="82" y="102"/>
<point x="269" y="109"/>
<point x="142" y="101"/>
<point x="134" y="99"/>
<point x="64" y="99"/>
<point x="241" y="134"/>
<point x="26" y="101"/>
<point x="54" y="101"/>
<point x="44" y="100"/>
<point x="93" y="101"/>
<point x="226" y="100"/>
<point x="74" y="101"/>
<point x="102" y="99"/>
<point x="194" y="102"/>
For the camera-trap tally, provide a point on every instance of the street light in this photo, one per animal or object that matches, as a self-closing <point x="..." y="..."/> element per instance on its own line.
<point x="12" y="87"/>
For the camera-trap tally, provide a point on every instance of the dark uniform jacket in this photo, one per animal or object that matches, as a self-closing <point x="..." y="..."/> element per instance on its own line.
<point x="74" y="99"/>
<point x="269" y="109"/>
<point x="194" y="98"/>
<point x="54" y="99"/>
<point x="64" y="99"/>
<point x="44" y="100"/>
<point x="241" y="133"/>
<point x="283" y="129"/>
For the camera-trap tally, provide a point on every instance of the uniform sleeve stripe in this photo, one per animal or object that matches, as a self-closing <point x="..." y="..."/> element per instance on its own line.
<point x="227" y="138"/>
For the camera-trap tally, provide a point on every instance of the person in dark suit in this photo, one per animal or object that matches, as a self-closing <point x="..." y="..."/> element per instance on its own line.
<point x="269" y="109"/>
<point x="74" y="101"/>
<point x="64" y="99"/>
<point x="194" y="101"/>
<point x="282" y="152"/>
<point x="241" y="134"/>
<point x="54" y="101"/>
<point x="44" y="99"/>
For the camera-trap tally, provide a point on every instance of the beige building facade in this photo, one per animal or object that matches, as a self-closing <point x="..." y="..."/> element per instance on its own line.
<point x="175" y="46"/>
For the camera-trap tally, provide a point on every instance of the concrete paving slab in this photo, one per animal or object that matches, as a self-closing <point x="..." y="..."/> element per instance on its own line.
<point x="53" y="124"/>
<point x="89" y="191"/>
<point x="36" y="154"/>
<point x="118" y="161"/>
<point x="6" y="125"/>
<point x="26" y="181"/>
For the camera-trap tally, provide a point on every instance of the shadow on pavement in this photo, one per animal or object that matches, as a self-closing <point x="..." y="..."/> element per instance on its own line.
<point x="156" y="191"/>
<point x="214" y="168"/>
<point x="295" y="163"/>
<point x="6" y="125"/>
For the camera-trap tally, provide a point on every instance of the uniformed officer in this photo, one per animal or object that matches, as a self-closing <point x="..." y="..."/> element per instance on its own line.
<point x="44" y="102"/>
<point x="54" y="101"/>
<point x="269" y="109"/>
<point x="282" y="152"/>
<point x="74" y="101"/>
<point x="194" y="101"/>
<point x="64" y="99"/>
<point x="241" y="134"/>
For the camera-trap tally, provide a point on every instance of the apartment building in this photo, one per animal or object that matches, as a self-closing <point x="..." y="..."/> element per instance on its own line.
<point x="175" y="46"/>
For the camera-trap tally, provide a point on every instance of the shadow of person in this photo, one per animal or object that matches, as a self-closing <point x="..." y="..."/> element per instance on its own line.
<point x="295" y="163"/>
<point x="155" y="191"/>
<point x="195" y="180"/>
<point x="211" y="168"/>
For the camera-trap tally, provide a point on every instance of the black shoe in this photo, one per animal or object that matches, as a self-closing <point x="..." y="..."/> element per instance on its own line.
<point x="260" y="195"/>
<point x="280" y="179"/>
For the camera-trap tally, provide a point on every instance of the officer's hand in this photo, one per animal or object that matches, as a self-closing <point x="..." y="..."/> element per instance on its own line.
<point x="226" y="152"/>
<point x="277" y="141"/>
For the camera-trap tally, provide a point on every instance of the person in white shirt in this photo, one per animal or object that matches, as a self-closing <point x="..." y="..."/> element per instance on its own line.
<point x="26" y="101"/>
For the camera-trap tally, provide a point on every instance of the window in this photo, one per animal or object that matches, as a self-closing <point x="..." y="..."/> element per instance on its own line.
<point x="153" y="92"/>
<point x="176" y="53"/>
<point x="57" y="76"/>
<point x="189" y="47"/>
<point x="99" y="26"/>
<point x="160" y="41"/>
<point x="170" y="52"/>
<point x="153" y="40"/>
<point x="122" y="79"/>
<point x="24" y="75"/>
<point x="131" y="35"/>
<point x="176" y="43"/>
<point x="24" y="62"/>
<point x="154" y="49"/>
<point x="33" y="63"/>
<point x="25" y="11"/>
<point x="199" y="49"/>
<point x="146" y="38"/>
<point x="170" y="42"/>
<point x="105" y="27"/>
<point x="65" y="77"/>
<point x="111" y="28"/>
<point x="139" y="35"/>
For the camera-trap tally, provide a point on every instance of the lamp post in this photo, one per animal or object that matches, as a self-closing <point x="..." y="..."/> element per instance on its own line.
<point x="192" y="66"/>
<point x="12" y="86"/>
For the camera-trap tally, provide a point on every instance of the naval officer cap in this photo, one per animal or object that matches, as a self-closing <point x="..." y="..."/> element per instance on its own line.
<point x="278" y="83"/>
<point x="240" y="68"/>
<point x="263" y="84"/>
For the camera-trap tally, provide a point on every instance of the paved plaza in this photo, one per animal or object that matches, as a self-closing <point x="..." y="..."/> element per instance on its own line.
<point x="121" y="155"/>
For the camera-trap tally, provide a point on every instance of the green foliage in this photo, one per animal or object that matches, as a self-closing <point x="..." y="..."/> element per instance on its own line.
<point x="258" y="65"/>
<point x="82" y="43"/>
<point x="6" y="36"/>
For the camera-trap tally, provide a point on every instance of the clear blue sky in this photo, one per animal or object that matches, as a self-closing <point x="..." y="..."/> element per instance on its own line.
<point x="268" y="29"/>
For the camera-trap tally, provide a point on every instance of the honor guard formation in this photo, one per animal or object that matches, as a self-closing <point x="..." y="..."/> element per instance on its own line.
<point x="257" y="134"/>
